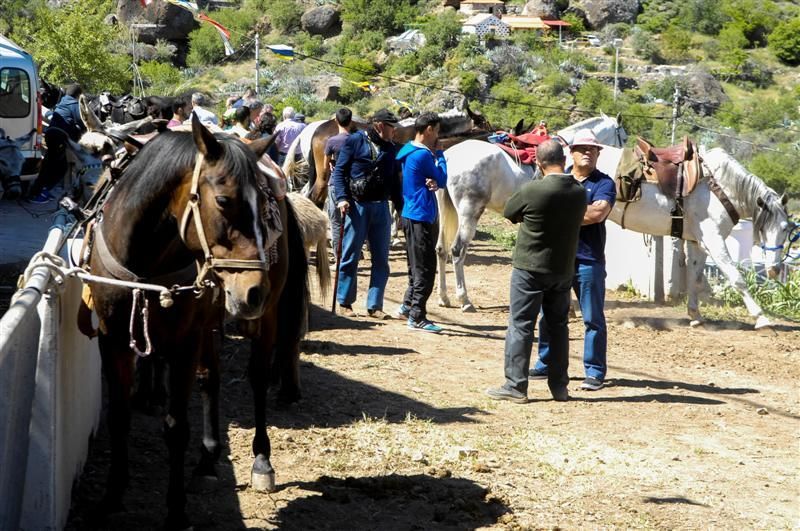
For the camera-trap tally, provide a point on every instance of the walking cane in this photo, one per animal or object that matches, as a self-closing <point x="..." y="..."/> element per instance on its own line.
<point x="338" y="262"/>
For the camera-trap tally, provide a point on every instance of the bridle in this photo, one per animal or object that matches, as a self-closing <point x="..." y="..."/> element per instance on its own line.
<point x="759" y="221"/>
<point x="210" y="264"/>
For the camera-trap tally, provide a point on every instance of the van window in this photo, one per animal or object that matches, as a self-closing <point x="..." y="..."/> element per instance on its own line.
<point x="15" y="93"/>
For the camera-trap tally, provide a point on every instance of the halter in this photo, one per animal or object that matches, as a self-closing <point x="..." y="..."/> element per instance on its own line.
<point x="760" y="220"/>
<point x="210" y="263"/>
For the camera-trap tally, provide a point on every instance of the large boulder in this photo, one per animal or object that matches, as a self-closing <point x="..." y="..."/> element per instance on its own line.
<point x="598" y="13"/>
<point x="546" y="9"/>
<point x="322" y="20"/>
<point x="704" y="92"/>
<point x="160" y="20"/>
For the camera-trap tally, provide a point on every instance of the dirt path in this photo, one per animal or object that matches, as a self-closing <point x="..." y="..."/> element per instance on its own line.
<point x="698" y="428"/>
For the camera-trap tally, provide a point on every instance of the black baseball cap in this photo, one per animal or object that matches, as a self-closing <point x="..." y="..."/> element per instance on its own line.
<point x="386" y="116"/>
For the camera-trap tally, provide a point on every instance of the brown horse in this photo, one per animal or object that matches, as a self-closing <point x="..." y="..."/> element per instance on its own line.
<point x="456" y="127"/>
<point x="189" y="202"/>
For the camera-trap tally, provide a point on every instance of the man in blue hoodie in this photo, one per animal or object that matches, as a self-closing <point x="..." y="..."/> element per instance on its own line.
<point x="424" y="172"/>
<point x="65" y="125"/>
<point x="365" y="177"/>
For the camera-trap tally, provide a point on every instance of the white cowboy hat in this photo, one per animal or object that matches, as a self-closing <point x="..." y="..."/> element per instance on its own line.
<point x="585" y="137"/>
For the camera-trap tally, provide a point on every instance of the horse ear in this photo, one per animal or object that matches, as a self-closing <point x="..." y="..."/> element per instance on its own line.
<point x="89" y="117"/>
<point x="519" y="127"/>
<point x="784" y="200"/>
<point x="760" y="202"/>
<point x="205" y="140"/>
<point x="260" y="146"/>
<point x="619" y="119"/>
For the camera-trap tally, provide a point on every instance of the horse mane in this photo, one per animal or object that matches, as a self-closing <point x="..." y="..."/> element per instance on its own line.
<point x="742" y="184"/>
<point x="162" y="164"/>
<point x="453" y="122"/>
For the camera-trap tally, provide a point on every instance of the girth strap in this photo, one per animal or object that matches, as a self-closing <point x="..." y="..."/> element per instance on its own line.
<point x="714" y="186"/>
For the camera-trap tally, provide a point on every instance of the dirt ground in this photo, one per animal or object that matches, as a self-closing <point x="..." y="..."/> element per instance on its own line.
<point x="698" y="428"/>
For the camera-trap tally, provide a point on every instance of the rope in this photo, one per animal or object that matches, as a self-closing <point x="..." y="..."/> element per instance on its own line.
<point x="140" y="299"/>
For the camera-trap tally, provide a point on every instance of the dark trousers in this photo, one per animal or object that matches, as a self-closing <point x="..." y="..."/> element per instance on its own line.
<point x="54" y="163"/>
<point x="530" y="293"/>
<point x="421" y="253"/>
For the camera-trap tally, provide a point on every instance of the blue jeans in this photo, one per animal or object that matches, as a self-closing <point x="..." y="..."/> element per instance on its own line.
<point x="590" y="286"/>
<point x="531" y="292"/>
<point x="369" y="221"/>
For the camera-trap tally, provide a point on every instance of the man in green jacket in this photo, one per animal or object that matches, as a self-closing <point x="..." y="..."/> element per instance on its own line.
<point x="550" y="212"/>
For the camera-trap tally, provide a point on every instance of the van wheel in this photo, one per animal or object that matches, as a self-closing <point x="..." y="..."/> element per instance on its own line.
<point x="12" y="188"/>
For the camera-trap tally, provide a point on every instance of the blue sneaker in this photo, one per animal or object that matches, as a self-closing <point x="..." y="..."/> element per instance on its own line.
<point x="424" y="325"/>
<point x="403" y="311"/>
<point x="42" y="198"/>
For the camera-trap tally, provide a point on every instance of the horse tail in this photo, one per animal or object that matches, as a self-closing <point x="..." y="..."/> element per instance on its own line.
<point x="290" y="165"/>
<point x="448" y="219"/>
<point x="293" y="307"/>
<point x="323" y="268"/>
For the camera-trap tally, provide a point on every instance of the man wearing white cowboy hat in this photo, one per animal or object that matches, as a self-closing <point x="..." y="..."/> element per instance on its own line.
<point x="590" y="262"/>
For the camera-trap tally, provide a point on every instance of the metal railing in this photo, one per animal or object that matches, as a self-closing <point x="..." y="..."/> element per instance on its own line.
<point x="50" y="398"/>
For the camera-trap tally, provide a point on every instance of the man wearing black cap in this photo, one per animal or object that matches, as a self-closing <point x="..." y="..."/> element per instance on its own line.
<point x="365" y="177"/>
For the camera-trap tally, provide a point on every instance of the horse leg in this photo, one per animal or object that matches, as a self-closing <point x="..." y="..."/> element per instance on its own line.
<point x="466" y="232"/>
<point x="441" y="259"/>
<point x="715" y="246"/>
<point x="696" y="260"/>
<point x="208" y="381"/>
<point x="176" y="434"/>
<point x="119" y="372"/>
<point x="262" y="475"/>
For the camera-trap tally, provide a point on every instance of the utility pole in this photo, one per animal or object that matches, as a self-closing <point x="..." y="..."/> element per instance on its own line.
<point x="617" y="43"/>
<point x="257" y="39"/>
<point x="676" y="99"/>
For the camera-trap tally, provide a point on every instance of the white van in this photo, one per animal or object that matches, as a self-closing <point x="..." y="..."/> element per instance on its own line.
<point x="20" y="106"/>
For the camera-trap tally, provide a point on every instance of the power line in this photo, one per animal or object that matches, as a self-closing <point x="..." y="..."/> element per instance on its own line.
<point x="732" y="137"/>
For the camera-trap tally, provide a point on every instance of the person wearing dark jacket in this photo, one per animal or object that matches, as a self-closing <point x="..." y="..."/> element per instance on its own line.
<point x="365" y="178"/>
<point x="65" y="125"/>
<point x="550" y="212"/>
<point x="424" y="172"/>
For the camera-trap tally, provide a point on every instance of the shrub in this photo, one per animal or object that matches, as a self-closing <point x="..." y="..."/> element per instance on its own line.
<point x="594" y="96"/>
<point x="675" y="43"/>
<point x="785" y="41"/>
<point x="160" y="78"/>
<point x="702" y="15"/>
<point x="780" y="171"/>
<point x="645" y="46"/>
<point x="443" y="30"/>
<point x="469" y="84"/>
<point x="755" y="17"/>
<point x="205" y="44"/>
<point x="576" y="22"/>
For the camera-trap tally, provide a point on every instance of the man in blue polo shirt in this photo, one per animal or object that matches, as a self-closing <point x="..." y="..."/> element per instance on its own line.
<point x="424" y="172"/>
<point x="590" y="263"/>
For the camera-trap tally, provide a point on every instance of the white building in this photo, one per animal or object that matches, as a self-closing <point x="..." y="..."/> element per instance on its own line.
<point x="485" y="25"/>
<point x="471" y="7"/>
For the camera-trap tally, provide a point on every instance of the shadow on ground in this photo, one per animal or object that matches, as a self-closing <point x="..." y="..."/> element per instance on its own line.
<point x="390" y="502"/>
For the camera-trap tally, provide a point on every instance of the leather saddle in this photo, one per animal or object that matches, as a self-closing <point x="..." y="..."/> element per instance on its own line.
<point x="676" y="168"/>
<point x="522" y="148"/>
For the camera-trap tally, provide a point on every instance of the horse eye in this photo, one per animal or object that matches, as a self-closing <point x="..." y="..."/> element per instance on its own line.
<point x="784" y="225"/>
<point x="222" y="201"/>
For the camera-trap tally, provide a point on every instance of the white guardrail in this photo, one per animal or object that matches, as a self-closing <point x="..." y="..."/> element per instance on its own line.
<point x="50" y="399"/>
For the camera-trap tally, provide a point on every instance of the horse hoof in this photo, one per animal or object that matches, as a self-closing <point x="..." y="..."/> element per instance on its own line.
<point x="444" y="303"/>
<point x="396" y="242"/>
<point x="205" y="471"/>
<point x="468" y="308"/>
<point x="262" y="476"/>
<point x="762" y="322"/>
<point x="695" y="323"/>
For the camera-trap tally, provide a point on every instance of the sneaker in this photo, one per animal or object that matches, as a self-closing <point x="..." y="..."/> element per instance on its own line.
<point x="379" y="314"/>
<point x="347" y="311"/>
<point x="536" y="374"/>
<point x="560" y="395"/>
<point x="40" y="199"/>
<point x="423" y="325"/>
<point x="504" y="393"/>
<point x="403" y="311"/>
<point x="592" y="384"/>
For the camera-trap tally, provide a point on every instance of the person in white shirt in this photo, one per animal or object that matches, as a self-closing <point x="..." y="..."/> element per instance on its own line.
<point x="286" y="132"/>
<point x="205" y="116"/>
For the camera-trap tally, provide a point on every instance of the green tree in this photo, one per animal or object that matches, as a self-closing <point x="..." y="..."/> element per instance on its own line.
<point x="645" y="46"/>
<point x="357" y="74"/>
<point x="443" y="30"/>
<point x="703" y="16"/>
<point x="781" y="171"/>
<point x="71" y="44"/>
<point x="785" y="41"/>
<point x="675" y="43"/>
<point x="160" y="78"/>
<point x="755" y="17"/>
<point x="594" y="96"/>
<point x="385" y="16"/>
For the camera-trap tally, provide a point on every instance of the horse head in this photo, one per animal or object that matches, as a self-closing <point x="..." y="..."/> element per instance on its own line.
<point x="219" y="206"/>
<point x="771" y="230"/>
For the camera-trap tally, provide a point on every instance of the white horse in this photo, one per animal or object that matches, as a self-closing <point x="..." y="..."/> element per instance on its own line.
<point x="480" y="176"/>
<point x="707" y="224"/>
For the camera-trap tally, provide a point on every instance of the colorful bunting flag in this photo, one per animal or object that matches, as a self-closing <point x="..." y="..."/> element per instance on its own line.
<point x="282" y="51"/>
<point x="224" y="33"/>
<point x="186" y="4"/>
<point x="145" y="3"/>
